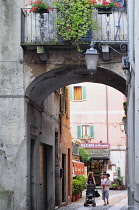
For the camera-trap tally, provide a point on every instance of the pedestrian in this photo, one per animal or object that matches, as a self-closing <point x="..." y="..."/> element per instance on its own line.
<point x="90" y="178"/>
<point x="105" y="182"/>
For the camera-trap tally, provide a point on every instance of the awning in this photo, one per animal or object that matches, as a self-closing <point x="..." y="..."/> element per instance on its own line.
<point x="99" y="154"/>
<point x="78" y="167"/>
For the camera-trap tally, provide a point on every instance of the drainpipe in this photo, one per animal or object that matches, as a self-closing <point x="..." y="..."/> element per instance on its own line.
<point x="107" y="117"/>
<point x="131" y="32"/>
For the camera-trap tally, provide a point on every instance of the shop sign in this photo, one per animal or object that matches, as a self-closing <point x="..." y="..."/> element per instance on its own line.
<point x="78" y="168"/>
<point x="95" y="145"/>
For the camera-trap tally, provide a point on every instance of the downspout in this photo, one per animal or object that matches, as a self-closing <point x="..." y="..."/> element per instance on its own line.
<point x="107" y="117"/>
<point x="131" y="32"/>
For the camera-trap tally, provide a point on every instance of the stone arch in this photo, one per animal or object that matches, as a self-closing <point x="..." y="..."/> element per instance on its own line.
<point x="54" y="79"/>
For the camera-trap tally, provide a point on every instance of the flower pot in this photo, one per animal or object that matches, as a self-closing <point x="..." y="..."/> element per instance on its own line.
<point x="73" y="198"/>
<point x="76" y="197"/>
<point x="104" y="11"/>
<point x="41" y="11"/>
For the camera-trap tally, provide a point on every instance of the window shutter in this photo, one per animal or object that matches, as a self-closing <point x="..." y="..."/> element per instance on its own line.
<point x="71" y="92"/>
<point x="83" y="93"/>
<point x="91" y="133"/>
<point x="79" y="131"/>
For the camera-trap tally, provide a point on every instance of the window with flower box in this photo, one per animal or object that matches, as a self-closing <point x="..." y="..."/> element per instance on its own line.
<point x="85" y="131"/>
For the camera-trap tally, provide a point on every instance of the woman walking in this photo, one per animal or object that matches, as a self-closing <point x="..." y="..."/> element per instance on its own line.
<point x="90" y="178"/>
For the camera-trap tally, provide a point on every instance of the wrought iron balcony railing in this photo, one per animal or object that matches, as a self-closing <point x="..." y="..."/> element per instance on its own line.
<point x="41" y="29"/>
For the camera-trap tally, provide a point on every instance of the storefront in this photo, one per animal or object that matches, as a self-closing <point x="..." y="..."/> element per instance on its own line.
<point x="99" y="159"/>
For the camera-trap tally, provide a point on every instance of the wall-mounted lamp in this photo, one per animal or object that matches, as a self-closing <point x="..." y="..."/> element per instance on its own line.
<point x="91" y="59"/>
<point x="92" y="56"/>
<point x="122" y="128"/>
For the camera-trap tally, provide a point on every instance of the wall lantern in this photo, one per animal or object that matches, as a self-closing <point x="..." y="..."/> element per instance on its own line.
<point x="122" y="128"/>
<point x="91" y="59"/>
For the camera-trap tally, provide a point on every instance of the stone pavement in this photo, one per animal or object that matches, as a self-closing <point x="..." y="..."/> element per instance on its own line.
<point x="117" y="201"/>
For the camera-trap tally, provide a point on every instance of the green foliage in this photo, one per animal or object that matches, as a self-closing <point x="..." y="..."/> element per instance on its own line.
<point x="74" y="19"/>
<point x="83" y="180"/>
<point x="84" y="155"/>
<point x="114" y="185"/>
<point x="78" y="185"/>
<point x="120" y="178"/>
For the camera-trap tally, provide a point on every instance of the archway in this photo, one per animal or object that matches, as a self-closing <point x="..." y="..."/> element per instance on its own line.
<point x="54" y="79"/>
<point x="36" y="93"/>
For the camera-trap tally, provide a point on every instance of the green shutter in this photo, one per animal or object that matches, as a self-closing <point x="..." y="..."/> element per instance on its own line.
<point x="71" y="92"/>
<point x="83" y="93"/>
<point x="79" y="131"/>
<point x="91" y="128"/>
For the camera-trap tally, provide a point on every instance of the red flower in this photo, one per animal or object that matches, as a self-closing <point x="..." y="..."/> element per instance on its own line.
<point x="92" y="1"/>
<point x="37" y="2"/>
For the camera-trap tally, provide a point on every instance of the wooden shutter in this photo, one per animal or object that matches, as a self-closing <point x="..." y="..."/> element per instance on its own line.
<point x="91" y="133"/>
<point x="71" y="92"/>
<point x="83" y="93"/>
<point x="79" y="131"/>
<point x="66" y="100"/>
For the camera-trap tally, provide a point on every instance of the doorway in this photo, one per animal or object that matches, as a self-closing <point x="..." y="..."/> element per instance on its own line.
<point x="64" y="178"/>
<point x="43" y="176"/>
<point x="33" y="174"/>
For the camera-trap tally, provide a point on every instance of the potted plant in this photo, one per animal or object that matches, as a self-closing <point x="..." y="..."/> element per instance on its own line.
<point x="39" y="6"/>
<point x="104" y="6"/>
<point x="83" y="183"/>
<point x="113" y="186"/>
<point x="74" y="20"/>
<point x="120" y="180"/>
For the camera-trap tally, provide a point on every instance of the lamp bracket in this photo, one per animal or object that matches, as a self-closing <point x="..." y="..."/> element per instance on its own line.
<point x="123" y="47"/>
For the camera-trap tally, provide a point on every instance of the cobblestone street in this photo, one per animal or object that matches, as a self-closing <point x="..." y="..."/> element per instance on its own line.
<point x="117" y="201"/>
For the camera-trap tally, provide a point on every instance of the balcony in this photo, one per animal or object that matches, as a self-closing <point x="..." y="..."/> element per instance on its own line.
<point x="39" y="29"/>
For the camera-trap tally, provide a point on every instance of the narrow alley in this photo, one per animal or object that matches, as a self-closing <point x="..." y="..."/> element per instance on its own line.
<point x="117" y="201"/>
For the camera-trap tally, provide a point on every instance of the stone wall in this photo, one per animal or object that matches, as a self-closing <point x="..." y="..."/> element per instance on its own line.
<point x="16" y="74"/>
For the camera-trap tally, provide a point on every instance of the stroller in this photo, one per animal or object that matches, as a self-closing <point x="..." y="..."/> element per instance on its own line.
<point x="90" y="196"/>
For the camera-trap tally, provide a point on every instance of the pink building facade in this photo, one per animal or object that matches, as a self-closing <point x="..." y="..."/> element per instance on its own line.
<point x="96" y="114"/>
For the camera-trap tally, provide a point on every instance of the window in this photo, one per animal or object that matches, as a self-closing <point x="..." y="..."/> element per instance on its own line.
<point x="85" y="131"/>
<point x="77" y="93"/>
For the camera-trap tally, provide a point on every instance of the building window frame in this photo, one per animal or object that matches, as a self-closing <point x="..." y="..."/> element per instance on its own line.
<point x="90" y="130"/>
<point x="83" y="93"/>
